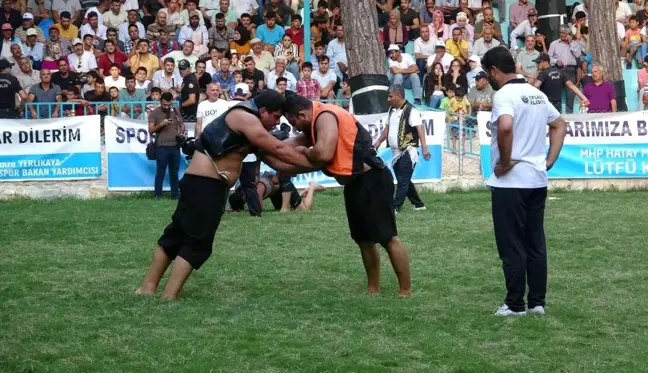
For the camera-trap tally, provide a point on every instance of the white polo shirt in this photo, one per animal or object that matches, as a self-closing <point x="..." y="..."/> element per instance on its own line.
<point x="531" y="112"/>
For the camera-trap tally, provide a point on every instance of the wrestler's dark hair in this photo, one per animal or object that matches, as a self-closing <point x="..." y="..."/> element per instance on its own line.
<point x="500" y="58"/>
<point x="296" y="103"/>
<point x="270" y="100"/>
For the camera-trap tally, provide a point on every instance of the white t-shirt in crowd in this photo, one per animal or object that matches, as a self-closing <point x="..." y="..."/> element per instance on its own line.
<point x="324" y="79"/>
<point x="392" y="137"/>
<point x="120" y="83"/>
<point x="531" y="112"/>
<point x="446" y="61"/>
<point x="425" y="48"/>
<point x="623" y="11"/>
<point x="99" y="15"/>
<point x="405" y="62"/>
<point x="209" y="111"/>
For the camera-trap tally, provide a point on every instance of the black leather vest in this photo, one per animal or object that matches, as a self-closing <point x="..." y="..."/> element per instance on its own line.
<point x="218" y="139"/>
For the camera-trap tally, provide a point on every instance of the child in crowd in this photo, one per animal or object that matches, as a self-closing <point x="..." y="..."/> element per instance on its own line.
<point x="92" y="77"/>
<point x="307" y="86"/>
<point x="114" y="95"/>
<point x="344" y="95"/>
<point x="154" y="99"/>
<point x="76" y="105"/>
<point x="238" y="78"/>
<point x="450" y="93"/>
<point x="457" y="110"/>
<point x="140" y="79"/>
<point x="632" y="42"/>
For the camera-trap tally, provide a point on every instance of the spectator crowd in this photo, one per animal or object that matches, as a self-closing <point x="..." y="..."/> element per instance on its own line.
<point x="120" y="51"/>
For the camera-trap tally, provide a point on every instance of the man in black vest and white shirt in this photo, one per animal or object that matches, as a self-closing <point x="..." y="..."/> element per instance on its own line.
<point x="519" y="181"/>
<point x="403" y="131"/>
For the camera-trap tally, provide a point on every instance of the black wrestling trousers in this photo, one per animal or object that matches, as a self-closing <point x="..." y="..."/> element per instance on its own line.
<point x="518" y="218"/>
<point x="248" y="186"/>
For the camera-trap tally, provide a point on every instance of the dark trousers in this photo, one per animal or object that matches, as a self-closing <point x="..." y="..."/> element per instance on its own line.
<point x="248" y="186"/>
<point x="570" y="74"/>
<point x="403" y="170"/>
<point x="518" y="219"/>
<point x="167" y="156"/>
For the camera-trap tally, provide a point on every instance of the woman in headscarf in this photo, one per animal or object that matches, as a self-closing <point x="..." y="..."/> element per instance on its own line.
<point x="241" y="42"/>
<point x="395" y="31"/>
<point x="438" y="27"/>
<point x="54" y="53"/>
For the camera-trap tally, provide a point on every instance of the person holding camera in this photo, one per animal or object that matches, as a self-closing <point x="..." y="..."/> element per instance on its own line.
<point x="166" y="123"/>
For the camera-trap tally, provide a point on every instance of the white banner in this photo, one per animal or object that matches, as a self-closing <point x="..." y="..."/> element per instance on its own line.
<point x="130" y="170"/>
<point x="603" y="145"/>
<point x="128" y="167"/>
<point x="50" y="149"/>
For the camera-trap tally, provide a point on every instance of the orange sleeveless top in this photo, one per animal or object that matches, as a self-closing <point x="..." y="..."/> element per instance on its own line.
<point x="352" y="145"/>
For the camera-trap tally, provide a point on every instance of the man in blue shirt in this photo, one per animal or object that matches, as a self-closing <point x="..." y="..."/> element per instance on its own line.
<point x="130" y="94"/>
<point x="270" y="33"/>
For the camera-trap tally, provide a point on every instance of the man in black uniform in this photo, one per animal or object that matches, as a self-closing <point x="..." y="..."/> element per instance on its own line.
<point x="190" y="93"/>
<point x="250" y="167"/>
<point x="551" y="81"/>
<point x="9" y="87"/>
<point x="215" y="166"/>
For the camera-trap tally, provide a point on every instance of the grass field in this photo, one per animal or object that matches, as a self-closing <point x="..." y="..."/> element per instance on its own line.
<point x="286" y="293"/>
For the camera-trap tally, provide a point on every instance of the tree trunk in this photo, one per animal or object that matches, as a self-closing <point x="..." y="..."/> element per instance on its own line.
<point x="604" y="43"/>
<point x="365" y="52"/>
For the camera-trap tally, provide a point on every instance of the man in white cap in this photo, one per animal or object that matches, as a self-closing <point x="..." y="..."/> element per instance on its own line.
<point x="441" y="56"/>
<point x="33" y="49"/>
<point x="263" y="59"/>
<point x="81" y="61"/>
<point x="28" y="24"/>
<point x="403" y="71"/>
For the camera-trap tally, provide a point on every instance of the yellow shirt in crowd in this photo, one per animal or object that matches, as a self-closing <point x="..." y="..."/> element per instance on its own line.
<point x="453" y="49"/>
<point x="71" y="33"/>
<point x="457" y="107"/>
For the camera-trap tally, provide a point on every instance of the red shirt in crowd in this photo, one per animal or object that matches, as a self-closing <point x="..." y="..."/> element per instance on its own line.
<point x="104" y="61"/>
<point x="297" y="37"/>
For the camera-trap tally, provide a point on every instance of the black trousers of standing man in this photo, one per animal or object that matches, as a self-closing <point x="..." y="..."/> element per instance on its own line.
<point x="248" y="186"/>
<point x="518" y="218"/>
<point x="403" y="170"/>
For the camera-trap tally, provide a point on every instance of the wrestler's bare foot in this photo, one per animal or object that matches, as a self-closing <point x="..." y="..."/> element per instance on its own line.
<point x="405" y="293"/>
<point x="145" y="290"/>
<point x="169" y="297"/>
<point x="373" y="291"/>
<point x="316" y="187"/>
<point x="284" y="210"/>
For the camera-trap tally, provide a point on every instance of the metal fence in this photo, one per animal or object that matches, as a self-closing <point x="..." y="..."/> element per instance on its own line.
<point x="130" y="109"/>
<point x="461" y="143"/>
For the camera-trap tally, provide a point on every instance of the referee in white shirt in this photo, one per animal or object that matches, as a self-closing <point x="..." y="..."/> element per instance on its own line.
<point x="519" y="181"/>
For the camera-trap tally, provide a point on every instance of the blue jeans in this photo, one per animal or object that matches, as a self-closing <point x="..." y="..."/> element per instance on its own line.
<point x="435" y="101"/>
<point x="293" y="68"/>
<point x="167" y="156"/>
<point x="411" y="81"/>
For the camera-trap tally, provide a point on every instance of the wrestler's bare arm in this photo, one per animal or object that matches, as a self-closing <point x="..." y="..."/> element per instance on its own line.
<point x="249" y="126"/>
<point x="327" y="138"/>
<point x="320" y="154"/>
